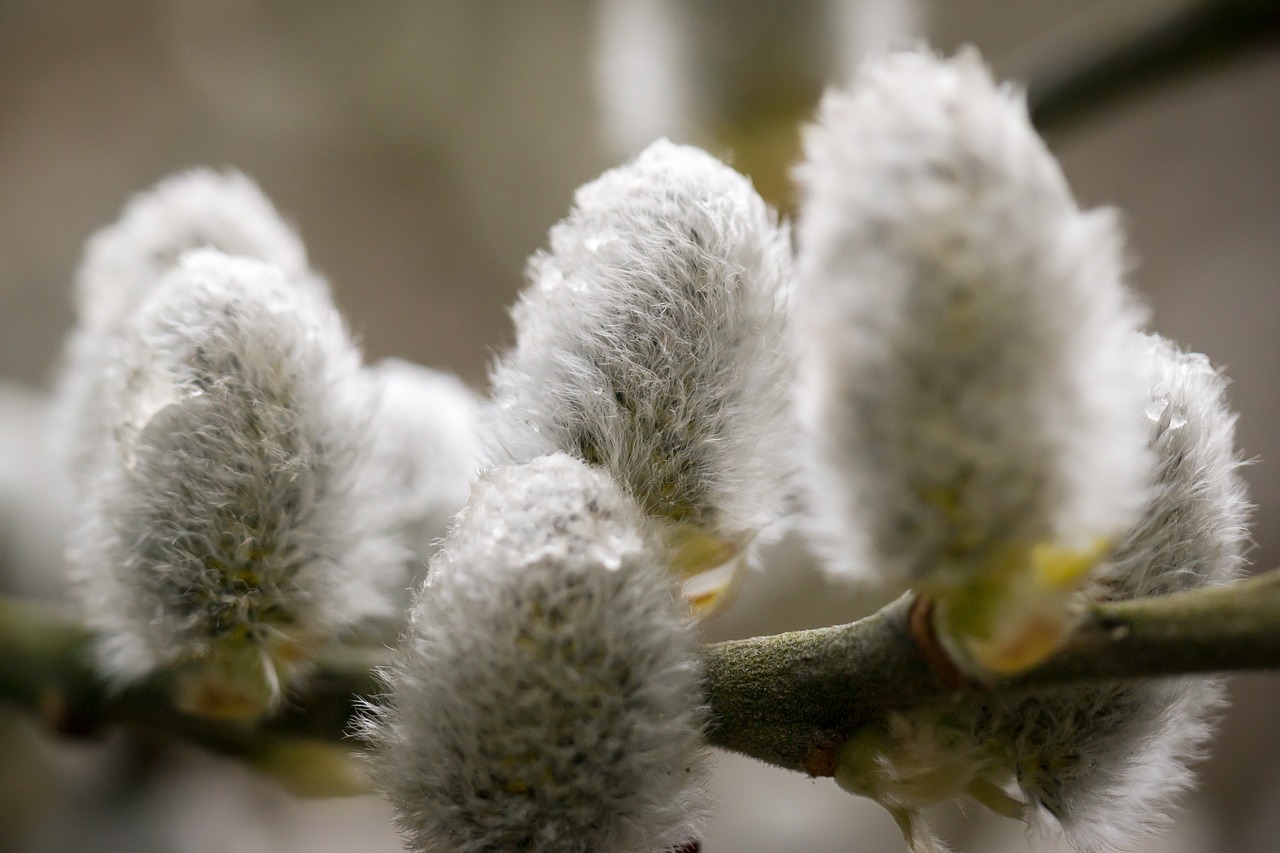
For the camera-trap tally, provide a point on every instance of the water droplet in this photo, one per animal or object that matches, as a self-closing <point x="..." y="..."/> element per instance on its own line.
<point x="1155" y="409"/>
<point x="1177" y="421"/>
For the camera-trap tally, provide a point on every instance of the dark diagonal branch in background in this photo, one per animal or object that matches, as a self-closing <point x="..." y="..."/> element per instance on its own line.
<point x="787" y="699"/>
<point x="1190" y="38"/>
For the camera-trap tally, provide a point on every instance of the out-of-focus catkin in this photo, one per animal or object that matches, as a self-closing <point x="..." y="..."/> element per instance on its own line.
<point x="965" y="387"/>
<point x="1102" y="763"/>
<point x="428" y="430"/>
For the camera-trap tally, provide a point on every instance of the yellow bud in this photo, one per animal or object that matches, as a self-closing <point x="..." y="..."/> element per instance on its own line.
<point x="311" y="769"/>
<point x="711" y="568"/>
<point x="239" y="678"/>
<point x="1018" y="613"/>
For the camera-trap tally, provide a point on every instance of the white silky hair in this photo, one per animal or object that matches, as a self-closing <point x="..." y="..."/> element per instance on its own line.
<point x="546" y="696"/>
<point x="1105" y="764"/>
<point x="427" y="425"/>
<point x="972" y="377"/>
<point x="200" y="208"/>
<point x="649" y="341"/>
<point x="961" y="327"/>
<point x="124" y="261"/>
<point x="221" y="493"/>
<point x="1108" y="762"/>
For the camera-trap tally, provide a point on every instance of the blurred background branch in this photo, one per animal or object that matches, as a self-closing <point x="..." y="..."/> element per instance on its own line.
<point x="1114" y="63"/>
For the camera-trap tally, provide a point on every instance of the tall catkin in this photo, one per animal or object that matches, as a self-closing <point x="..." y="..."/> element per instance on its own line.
<point x="965" y="386"/>
<point x="649" y="342"/>
<point x="223" y="525"/>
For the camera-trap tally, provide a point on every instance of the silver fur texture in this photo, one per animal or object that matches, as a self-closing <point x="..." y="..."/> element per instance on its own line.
<point x="546" y="696"/>
<point x="1109" y="762"/>
<point x="220" y="505"/>
<point x="650" y="343"/>
<point x="427" y="425"/>
<point x="122" y="263"/>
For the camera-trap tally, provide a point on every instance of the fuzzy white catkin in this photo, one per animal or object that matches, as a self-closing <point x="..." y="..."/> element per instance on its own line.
<point x="546" y="695"/>
<point x="123" y="262"/>
<point x="427" y="425"/>
<point x="222" y="519"/>
<point x="1103" y="763"/>
<point x="650" y="342"/>
<point x="201" y="208"/>
<point x="1107" y="762"/>
<point x="963" y="383"/>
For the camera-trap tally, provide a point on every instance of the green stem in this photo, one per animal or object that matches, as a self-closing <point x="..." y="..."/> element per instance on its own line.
<point x="789" y="699"/>
<point x="45" y="667"/>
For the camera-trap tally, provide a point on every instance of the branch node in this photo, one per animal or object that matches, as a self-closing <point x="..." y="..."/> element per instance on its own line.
<point x="63" y="717"/>
<point x="821" y="759"/>
<point x="920" y="625"/>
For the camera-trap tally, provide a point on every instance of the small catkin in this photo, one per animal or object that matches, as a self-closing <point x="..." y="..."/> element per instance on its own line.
<point x="33" y="504"/>
<point x="964" y="382"/>
<point x="427" y="425"/>
<point x="650" y="342"/>
<point x="123" y="262"/>
<point x="223" y="522"/>
<point x="546" y="696"/>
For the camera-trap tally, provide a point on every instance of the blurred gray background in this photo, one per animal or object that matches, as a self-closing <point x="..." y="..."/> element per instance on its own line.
<point x="424" y="148"/>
